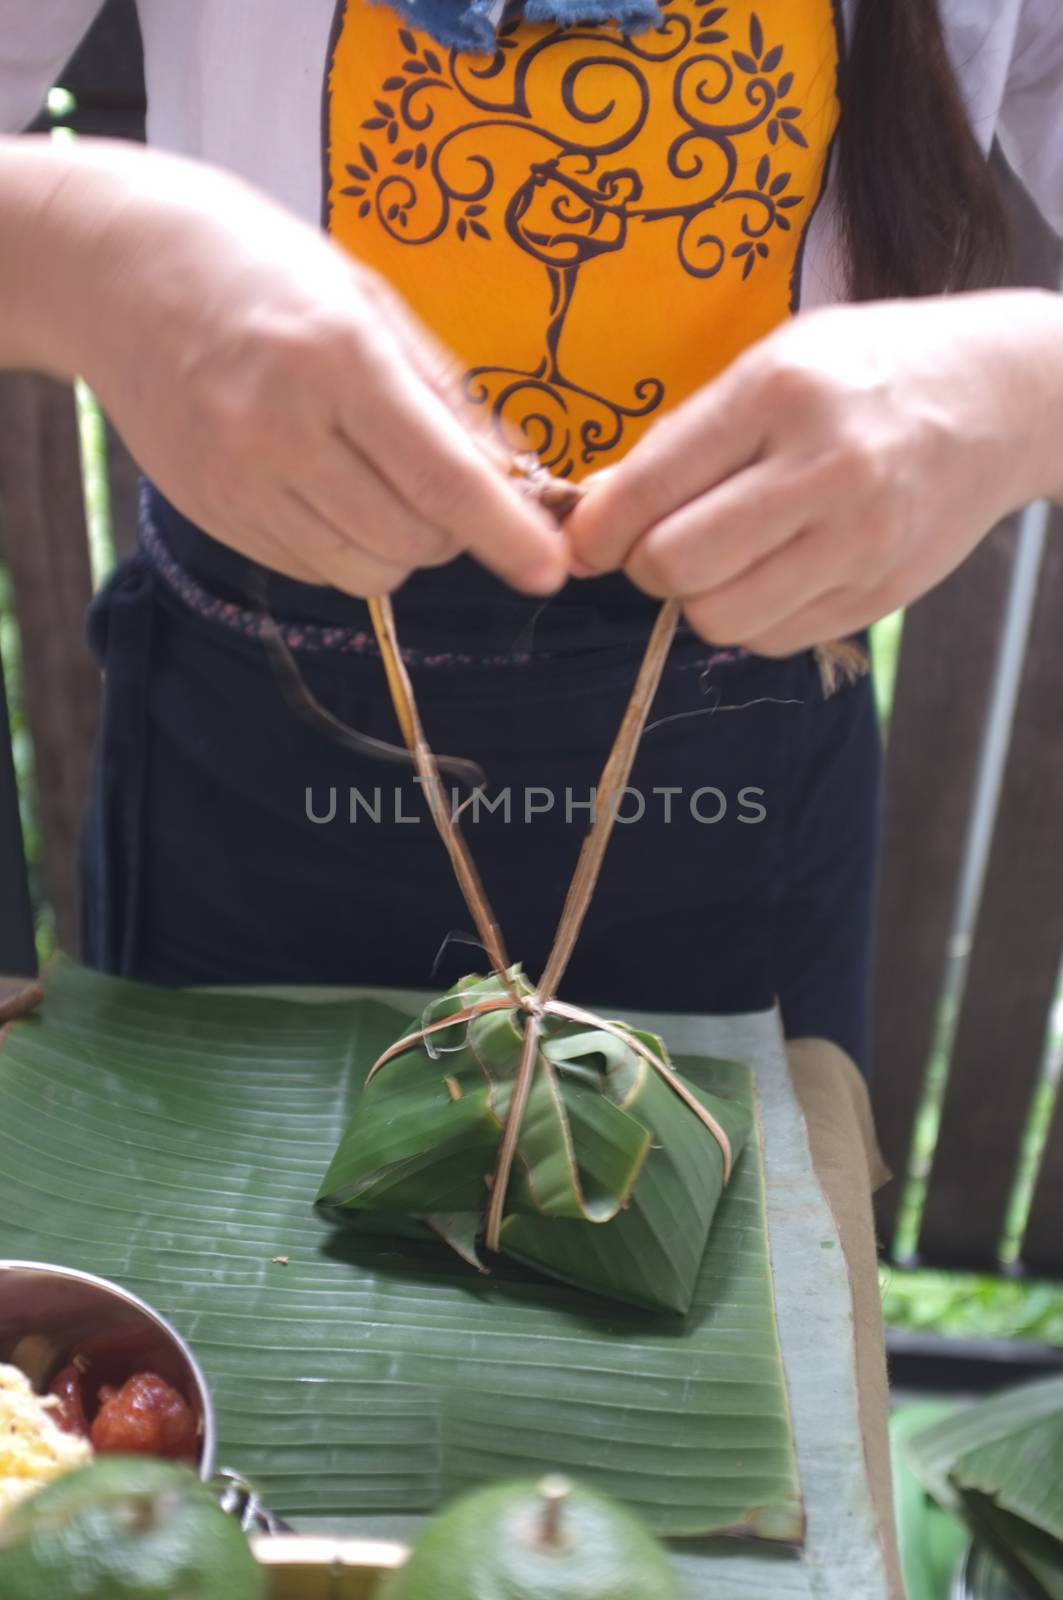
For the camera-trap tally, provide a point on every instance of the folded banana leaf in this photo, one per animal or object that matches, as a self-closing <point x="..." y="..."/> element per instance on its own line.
<point x="616" y="1180"/>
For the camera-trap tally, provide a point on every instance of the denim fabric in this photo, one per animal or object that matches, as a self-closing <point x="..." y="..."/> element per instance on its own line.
<point x="473" y="26"/>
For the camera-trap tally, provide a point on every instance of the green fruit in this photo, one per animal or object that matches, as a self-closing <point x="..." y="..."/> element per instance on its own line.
<point x="527" y="1541"/>
<point x="125" y="1528"/>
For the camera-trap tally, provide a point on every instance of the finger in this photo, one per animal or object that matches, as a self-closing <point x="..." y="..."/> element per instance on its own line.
<point x="347" y="492"/>
<point x="717" y="537"/>
<point x="427" y="455"/>
<point x="439" y="366"/>
<point x="784" y="583"/>
<point x="706" y="441"/>
<point x="282" y="560"/>
<point x="264" y="549"/>
<point x="837" y="615"/>
<point x="330" y="553"/>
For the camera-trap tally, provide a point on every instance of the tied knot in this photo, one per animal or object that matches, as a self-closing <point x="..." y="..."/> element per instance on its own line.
<point x="539" y="1005"/>
<point x="538" y="1011"/>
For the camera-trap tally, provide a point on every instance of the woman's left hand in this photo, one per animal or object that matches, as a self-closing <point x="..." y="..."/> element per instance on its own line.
<point x="839" y="469"/>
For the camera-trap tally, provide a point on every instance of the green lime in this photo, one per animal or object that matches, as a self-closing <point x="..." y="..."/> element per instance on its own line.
<point x="126" y="1528"/>
<point x="528" y="1541"/>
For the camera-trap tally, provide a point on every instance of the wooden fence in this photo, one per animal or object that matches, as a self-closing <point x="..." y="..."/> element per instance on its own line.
<point x="949" y="679"/>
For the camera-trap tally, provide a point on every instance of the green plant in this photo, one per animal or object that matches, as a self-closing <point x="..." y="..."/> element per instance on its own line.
<point x="1000" y="1464"/>
<point x="973" y="1306"/>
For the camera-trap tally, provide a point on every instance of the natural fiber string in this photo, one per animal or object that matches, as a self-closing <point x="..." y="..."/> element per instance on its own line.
<point x="308" y="707"/>
<point x="541" y="1003"/>
<point x="409" y="719"/>
<point x="613" y="781"/>
<point x="537" y="1006"/>
<point x="839" y="662"/>
<point x="842" y="661"/>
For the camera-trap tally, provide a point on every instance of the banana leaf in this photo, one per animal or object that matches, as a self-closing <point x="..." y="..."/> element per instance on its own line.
<point x="616" y="1181"/>
<point x="999" y="1426"/>
<point x="1001" y="1463"/>
<point x="981" y="1577"/>
<point x="1028" y="1556"/>
<point x="930" y="1539"/>
<point x="1011" y="1490"/>
<point x="174" y="1142"/>
<point x="1022" y="1472"/>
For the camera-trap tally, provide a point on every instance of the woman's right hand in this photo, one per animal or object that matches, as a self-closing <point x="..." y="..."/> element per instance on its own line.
<point x="276" y="392"/>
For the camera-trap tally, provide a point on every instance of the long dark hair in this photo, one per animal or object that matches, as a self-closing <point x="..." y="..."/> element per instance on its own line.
<point x="922" y="211"/>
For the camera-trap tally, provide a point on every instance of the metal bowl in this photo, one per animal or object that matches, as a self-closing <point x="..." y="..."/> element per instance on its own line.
<point x="49" y="1315"/>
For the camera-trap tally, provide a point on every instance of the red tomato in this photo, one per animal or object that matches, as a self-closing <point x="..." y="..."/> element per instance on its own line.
<point x="146" y="1417"/>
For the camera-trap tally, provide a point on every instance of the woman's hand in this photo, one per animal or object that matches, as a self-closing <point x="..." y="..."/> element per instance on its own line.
<point x="839" y="469"/>
<point x="278" y="394"/>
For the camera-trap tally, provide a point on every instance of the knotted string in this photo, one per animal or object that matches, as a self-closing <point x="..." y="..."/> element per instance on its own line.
<point x="837" y="662"/>
<point x="541" y="1002"/>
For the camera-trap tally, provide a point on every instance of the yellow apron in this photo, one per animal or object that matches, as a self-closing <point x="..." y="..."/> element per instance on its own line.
<point x="596" y="225"/>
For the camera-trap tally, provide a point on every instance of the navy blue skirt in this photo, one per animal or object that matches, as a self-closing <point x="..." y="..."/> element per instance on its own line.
<point x="229" y="842"/>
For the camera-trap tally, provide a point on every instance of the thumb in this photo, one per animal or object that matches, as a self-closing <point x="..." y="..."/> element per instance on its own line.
<point x="706" y="440"/>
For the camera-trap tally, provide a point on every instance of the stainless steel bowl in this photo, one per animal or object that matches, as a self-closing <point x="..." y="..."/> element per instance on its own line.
<point x="49" y="1315"/>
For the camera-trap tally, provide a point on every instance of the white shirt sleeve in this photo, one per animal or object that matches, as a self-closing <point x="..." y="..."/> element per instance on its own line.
<point x="1031" y="117"/>
<point x="37" y="39"/>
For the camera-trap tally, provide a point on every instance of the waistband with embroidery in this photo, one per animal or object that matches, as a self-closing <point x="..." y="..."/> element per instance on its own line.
<point x="327" y="638"/>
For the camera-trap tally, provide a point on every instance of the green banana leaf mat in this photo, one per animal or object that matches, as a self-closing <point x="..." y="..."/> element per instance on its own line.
<point x="174" y="1141"/>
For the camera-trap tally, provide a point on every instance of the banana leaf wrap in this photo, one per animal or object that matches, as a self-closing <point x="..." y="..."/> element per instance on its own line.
<point x="619" y="1161"/>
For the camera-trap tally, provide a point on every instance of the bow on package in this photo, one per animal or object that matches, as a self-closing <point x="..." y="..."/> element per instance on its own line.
<point x="508" y="1121"/>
